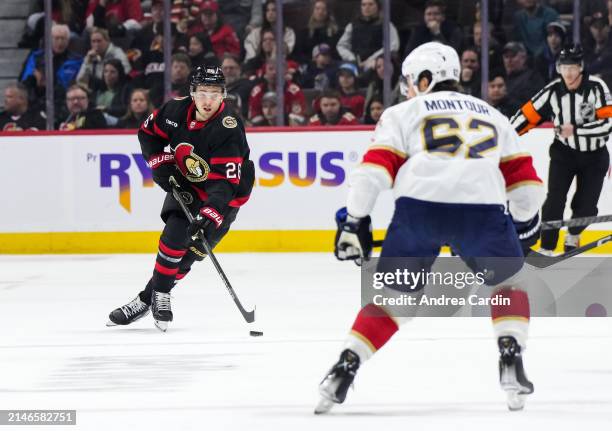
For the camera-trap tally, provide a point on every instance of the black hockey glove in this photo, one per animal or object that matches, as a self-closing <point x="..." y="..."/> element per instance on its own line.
<point x="207" y="215"/>
<point x="353" y="238"/>
<point x="163" y="167"/>
<point x="528" y="232"/>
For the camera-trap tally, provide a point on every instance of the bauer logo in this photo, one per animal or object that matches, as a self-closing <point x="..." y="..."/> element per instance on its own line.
<point x="301" y="169"/>
<point x="116" y="171"/>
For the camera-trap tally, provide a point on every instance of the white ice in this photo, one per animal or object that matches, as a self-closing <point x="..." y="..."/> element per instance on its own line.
<point x="206" y="373"/>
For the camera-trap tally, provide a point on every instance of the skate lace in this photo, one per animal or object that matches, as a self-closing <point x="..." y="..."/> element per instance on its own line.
<point x="162" y="301"/>
<point x="133" y="307"/>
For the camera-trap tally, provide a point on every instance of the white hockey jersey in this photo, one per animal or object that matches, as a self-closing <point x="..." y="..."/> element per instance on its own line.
<point x="446" y="147"/>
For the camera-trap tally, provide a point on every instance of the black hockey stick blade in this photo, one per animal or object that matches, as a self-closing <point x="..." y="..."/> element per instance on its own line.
<point x="249" y="316"/>
<point x="542" y="261"/>
<point x="581" y="221"/>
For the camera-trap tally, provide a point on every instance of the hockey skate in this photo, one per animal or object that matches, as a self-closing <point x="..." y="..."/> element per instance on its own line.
<point x="571" y="242"/>
<point x="512" y="376"/>
<point x="162" y="312"/>
<point x="130" y="312"/>
<point x="337" y="382"/>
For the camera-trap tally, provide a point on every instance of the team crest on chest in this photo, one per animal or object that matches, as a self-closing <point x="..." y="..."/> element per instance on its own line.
<point x="229" y="122"/>
<point x="192" y="166"/>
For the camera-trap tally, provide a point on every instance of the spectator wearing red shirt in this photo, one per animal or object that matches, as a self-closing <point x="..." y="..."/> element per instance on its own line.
<point x="117" y="16"/>
<point x="295" y="102"/>
<point x="349" y="97"/>
<point x="222" y="36"/>
<point x="331" y="113"/>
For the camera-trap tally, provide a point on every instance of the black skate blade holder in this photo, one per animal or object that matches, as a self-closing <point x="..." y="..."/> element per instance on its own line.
<point x="249" y="316"/>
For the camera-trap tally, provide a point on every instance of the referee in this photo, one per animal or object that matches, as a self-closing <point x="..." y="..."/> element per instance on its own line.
<point x="577" y="103"/>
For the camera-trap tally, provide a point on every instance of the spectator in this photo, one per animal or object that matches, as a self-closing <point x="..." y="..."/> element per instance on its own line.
<point x="138" y="110"/>
<point x="253" y="41"/>
<point x="362" y="39"/>
<point x="350" y="98"/>
<point x="598" y="54"/>
<point x="321" y="29"/>
<point x="495" y="57"/>
<point x="320" y="72"/>
<point x="117" y="16"/>
<point x="521" y="81"/>
<point x="375" y="79"/>
<point x="268" y="111"/>
<point x="179" y="78"/>
<point x="530" y="25"/>
<point x="111" y="94"/>
<point x="266" y="51"/>
<point x="546" y="62"/>
<point x="154" y="28"/>
<point x="80" y="116"/>
<point x="469" y="82"/>
<point x="68" y="12"/>
<point x="102" y="49"/>
<point x="242" y="15"/>
<point x="151" y="64"/>
<point x="200" y="50"/>
<point x="374" y="109"/>
<point x="435" y="28"/>
<point x="498" y="94"/>
<point x="222" y="36"/>
<point x="65" y="63"/>
<point x="235" y="84"/>
<point x="331" y="112"/>
<point x="16" y="115"/>
<point x="294" y="100"/>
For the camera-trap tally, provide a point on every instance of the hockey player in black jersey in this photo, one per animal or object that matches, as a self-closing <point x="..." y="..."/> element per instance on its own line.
<point x="209" y="156"/>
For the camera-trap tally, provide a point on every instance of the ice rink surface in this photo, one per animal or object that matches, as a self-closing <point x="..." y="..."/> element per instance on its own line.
<point x="206" y="373"/>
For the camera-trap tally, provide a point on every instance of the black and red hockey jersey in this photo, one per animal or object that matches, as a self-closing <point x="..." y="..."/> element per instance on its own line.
<point x="212" y="155"/>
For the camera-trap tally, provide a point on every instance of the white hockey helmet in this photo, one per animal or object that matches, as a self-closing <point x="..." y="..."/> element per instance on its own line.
<point x="442" y="61"/>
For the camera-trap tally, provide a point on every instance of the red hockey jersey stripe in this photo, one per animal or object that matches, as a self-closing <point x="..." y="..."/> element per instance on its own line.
<point x="386" y="158"/>
<point x="518" y="169"/>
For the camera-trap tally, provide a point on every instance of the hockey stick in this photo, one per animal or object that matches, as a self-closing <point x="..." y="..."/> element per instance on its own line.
<point x="540" y="260"/>
<point x="581" y="221"/>
<point x="249" y="316"/>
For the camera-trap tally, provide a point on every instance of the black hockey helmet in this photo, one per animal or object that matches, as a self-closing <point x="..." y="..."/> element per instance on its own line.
<point x="571" y="54"/>
<point x="207" y="75"/>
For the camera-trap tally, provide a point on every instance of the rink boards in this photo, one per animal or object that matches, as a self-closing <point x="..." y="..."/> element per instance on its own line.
<point x="92" y="192"/>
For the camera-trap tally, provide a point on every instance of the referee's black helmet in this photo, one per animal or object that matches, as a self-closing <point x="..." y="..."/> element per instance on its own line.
<point x="571" y="54"/>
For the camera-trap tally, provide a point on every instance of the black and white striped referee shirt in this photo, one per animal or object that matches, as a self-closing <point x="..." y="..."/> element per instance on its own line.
<point x="588" y="109"/>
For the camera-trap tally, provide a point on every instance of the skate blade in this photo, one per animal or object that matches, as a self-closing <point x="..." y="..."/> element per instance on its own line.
<point x="161" y="325"/>
<point x="515" y="400"/>
<point x="110" y="323"/>
<point x="324" y="406"/>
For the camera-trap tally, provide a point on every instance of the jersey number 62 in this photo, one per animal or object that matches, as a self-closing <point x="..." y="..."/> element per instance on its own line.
<point x="451" y="141"/>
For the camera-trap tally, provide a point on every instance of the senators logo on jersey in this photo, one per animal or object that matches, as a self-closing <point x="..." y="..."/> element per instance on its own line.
<point x="192" y="166"/>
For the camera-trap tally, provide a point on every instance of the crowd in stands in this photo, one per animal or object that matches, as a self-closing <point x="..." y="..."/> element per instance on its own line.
<point x="108" y="59"/>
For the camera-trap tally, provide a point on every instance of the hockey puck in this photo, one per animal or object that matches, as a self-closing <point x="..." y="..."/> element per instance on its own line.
<point x="255" y="333"/>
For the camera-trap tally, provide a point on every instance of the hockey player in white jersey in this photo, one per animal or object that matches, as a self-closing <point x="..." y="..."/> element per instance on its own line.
<point x="459" y="177"/>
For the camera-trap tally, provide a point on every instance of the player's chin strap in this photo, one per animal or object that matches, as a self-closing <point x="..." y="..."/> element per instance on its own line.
<point x="249" y="316"/>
